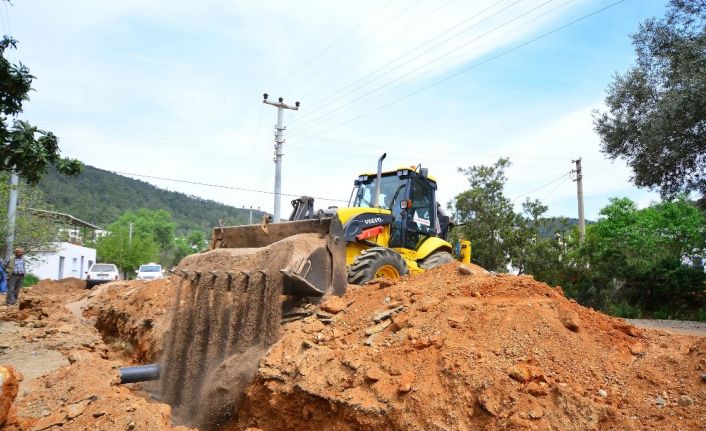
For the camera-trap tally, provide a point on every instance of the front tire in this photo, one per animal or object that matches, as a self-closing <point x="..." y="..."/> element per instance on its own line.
<point x="377" y="262"/>
<point x="435" y="259"/>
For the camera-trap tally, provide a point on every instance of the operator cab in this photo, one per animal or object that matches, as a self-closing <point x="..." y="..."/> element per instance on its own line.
<point x="411" y="196"/>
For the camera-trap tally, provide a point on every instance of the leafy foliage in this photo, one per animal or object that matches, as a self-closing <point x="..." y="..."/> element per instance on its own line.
<point x="486" y="216"/>
<point x="632" y="261"/>
<point x="640" y="255"/>
<point x="24" y="148"/>
<point x="657" y="110"/>
<point x="101" y="197"/>
<point x="33" y="231"/>
<point x="128" y="254"/>
<point x="156" y="224"/>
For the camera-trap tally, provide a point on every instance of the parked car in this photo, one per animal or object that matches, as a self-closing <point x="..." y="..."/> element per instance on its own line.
<point x="101" y="273"/>
<point x="149" y="271"/>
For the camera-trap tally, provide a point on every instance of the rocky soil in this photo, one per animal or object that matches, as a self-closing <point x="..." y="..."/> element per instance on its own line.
<point x="68" y="376"/>
<point x="452" y="349"/>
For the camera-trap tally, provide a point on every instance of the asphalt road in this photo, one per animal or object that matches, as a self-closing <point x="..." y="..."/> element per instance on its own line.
<point x="677" y="326"/>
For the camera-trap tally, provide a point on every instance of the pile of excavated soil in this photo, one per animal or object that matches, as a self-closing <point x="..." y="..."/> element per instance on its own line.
<point x="448" y="351"/>
<point x="444" y="350"/>
<point x="68" y="375"/>
<point x="133" y="316"/>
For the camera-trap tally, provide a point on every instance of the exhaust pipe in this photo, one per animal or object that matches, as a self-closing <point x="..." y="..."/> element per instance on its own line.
<point x="140" y="373"/>
<point x="376" y="199"/>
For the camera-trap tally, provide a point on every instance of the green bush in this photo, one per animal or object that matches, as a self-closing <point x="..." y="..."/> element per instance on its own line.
<point x="30" y="280"/>
<point x="701" y="314"/>
<point x="625" y="310"/>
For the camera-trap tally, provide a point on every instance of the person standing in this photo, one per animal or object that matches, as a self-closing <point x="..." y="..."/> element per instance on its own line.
<point x="15" y="268"/>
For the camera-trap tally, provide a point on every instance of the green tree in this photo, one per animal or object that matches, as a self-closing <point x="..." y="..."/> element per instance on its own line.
<point x="656" y="117"/>
<point x="486" y="216"/>
<point x="534" y="252"/>
<point x="156" y="224"/>
<point x="34" y="231"/>
<point x="642" y="256"/>
<point x="127" y="253"/>
<point x="24" y="148"/>
<point x="195" y="242"/>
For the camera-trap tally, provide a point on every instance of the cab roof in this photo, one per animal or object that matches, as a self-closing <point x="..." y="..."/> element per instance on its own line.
<point x="394" y="172"/>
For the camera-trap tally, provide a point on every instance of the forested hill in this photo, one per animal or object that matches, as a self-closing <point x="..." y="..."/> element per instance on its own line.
<point x="100" y="197"/>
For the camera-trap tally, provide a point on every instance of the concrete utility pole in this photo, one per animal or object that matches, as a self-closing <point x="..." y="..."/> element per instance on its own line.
<point x="579" y="195"/>
<point x="11" y="213"/>
<point x="279" y="140"/>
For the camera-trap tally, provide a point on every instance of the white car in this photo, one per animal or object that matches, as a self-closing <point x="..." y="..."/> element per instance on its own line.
<point x="150" y="271"/>
<point x="101" y="273"/>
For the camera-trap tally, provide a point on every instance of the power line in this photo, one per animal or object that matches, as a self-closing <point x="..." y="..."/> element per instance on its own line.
<point x="343" y="53"/>
<point x="431" y="48"/>
<point x="426" y="16"/>
<point x="563" y="176"/>
<point x="220" y="186"/>
<point x="475" y="66"/>
<point x="340" y="38"/>
<point x="415" y="70"/>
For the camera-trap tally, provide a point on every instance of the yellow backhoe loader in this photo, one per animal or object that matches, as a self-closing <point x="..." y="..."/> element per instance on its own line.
<point x="393" y="227"/>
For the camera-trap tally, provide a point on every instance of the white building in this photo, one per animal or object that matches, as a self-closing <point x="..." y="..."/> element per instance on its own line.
<point x="70" y="258"/>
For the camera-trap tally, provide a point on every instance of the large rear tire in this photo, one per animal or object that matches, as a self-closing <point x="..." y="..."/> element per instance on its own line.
<point x="435" y="259"/>
<point x="377" y="262"/>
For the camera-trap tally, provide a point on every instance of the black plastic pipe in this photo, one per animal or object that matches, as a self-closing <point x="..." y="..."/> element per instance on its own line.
<point x="140" y="373"/>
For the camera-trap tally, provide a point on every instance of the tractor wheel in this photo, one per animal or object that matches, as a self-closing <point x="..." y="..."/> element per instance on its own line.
<point x="377" y="262"/>
<point x="435" y="259"/>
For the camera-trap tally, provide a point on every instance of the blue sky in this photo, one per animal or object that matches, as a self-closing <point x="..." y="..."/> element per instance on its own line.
<point x="173" y="89"/>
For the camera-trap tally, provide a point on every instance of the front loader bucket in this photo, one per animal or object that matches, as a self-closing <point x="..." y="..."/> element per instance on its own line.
<point x="316" y="263"/>
<point x="229" y="305"/>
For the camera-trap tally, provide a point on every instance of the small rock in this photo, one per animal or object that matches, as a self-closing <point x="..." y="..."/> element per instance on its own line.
<point x="98" y="414"/>
<point x="520" y="372"/>
<point x="570" y="320"/>
<point x="386" y="314"/>
<point x="537" y="389"/>
<point x="475" y="294"/>
<point x="602" y="393"/>
<point x="463" y="269"/>
<point x="685" y="401"/>
<point x="637" y="349"/>
<point x="427" y="303"/>
<point x="74" y="410"/>
<point x="659" y="401"/>
<point x="535" y="413"/>
<point x="333" y="305"/>
<point x="384" y="282"/>
<point x="378" y="328"/>
<point x="131" y="425"/>
<point x="406" y="383"/>
<point x="373" y="374"/>
<point x="703" y="377"/>
<point x="370" y="340"/>
<point x="313" y="327"/>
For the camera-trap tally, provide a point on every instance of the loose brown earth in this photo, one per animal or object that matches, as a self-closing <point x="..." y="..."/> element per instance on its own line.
<point x="440" y="351"/>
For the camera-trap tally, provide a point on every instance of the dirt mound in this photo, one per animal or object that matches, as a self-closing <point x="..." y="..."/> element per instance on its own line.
<point x="70" y="375"/>
<point x="133" y="316"/>
<point x="448" y="351"/>
<point x="9" y="383"/>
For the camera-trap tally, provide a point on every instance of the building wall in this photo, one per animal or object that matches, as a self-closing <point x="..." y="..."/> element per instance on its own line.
<point x="65" y="262"/>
